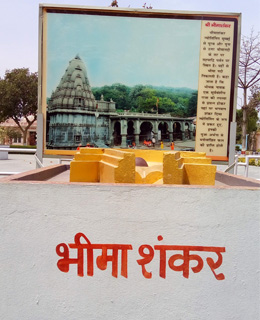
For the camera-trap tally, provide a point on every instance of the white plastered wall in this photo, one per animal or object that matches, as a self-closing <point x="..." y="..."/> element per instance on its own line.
<point x="36" y="217"/>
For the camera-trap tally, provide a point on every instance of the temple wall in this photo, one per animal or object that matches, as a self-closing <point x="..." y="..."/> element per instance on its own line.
<point x="64" y="128"/>
<point x="37" y="217"/>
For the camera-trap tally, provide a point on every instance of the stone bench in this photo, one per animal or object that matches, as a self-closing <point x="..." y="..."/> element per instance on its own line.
<point x="4" y="152"/>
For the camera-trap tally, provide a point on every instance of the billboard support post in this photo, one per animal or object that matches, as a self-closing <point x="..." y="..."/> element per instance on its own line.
<point x="232" y="144"/>
<point x="39" y="139"/>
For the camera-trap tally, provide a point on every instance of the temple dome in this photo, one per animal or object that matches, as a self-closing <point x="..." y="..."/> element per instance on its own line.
<point x="74" y="84"/>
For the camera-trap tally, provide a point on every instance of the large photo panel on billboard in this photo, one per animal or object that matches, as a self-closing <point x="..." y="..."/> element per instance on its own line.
<point x="122" y="77"/>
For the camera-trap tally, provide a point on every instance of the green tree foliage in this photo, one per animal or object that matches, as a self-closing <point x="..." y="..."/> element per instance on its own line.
<point x="251" y="123"/>
<point x="253" y="107"/>
<point x="2" y="135"/>
<point x="117" y="92"/>
<point x="11" y="133"/>
<point x="166" y="105"/>
<point x="145" y="100"/>
<point x="140" y="98"/>
<point x="192" y="105"/>
<point x="18" y="97"/>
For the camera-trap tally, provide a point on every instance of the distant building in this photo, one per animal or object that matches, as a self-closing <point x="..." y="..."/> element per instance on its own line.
<point x="75" y="118"/>
<point x="13" y="134"/>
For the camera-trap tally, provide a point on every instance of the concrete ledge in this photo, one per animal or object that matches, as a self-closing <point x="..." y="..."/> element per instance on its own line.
<point x="41" y="174"/>
<point x="233" y="180"/>
<point x="60" y="174"/>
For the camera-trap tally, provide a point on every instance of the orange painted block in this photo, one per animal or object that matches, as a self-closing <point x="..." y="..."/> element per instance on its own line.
<point x="84" y="171"/>
<point x="91" y="150"/>
<point x="148" y="175"/>
<point x="117" y="167"/>
<point x="192" y="154"/>
<point x="199" y="174"/>
<point x="111" y="159"/>
<point x="172" y="168"/>
<point x="148" y="155"/>
<point x="87" y="157"/>
<point x="198" y="160"/>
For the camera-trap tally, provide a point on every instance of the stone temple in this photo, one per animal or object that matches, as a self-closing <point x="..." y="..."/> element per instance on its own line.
<point x="75" y="117"/>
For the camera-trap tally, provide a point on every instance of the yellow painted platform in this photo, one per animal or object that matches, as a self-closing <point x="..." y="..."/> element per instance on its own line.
<point x="162" y="167"/>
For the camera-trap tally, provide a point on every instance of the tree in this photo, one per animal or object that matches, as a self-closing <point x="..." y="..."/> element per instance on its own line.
<point x="249" y="74"/>
<point x="146" y="100"/>
<point x="192" y="106"/>
<point x="166" y="105"/>
<point x="254" y="102"/>
<point x="134" y="94"/>
<point x="251" y="123"/>
<point x="118" y="92"/>
<point x="2" y="135"/>
<point x="18" y="97"/>
<point x="11" y="134"/>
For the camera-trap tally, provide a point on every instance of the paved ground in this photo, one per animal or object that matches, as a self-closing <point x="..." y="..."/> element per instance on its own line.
<point x="25" y="162"/>
<point x="17" y="163"/>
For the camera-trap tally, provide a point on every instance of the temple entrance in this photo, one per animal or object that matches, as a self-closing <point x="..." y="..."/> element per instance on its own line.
<point x="163" y="127"/>
<point x="130" y="132"/>
<point x="117" y="134"/>
<point x="187" y="131"/>
<point x="177" y="131"/>
<point x="145" y="131"/>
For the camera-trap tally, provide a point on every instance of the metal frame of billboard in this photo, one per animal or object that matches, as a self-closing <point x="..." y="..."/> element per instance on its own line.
<point x="221" y="20"/>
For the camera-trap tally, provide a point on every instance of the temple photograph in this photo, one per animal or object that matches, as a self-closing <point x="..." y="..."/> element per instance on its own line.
<point x="110" y="84"/>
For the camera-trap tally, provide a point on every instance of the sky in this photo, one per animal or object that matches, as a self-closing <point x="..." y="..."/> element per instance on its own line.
<point x="124" y="50"/>
<point x="19" y="23"/>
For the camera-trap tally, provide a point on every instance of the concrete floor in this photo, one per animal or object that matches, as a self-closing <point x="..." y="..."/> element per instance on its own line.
<point x="18" y="163"/>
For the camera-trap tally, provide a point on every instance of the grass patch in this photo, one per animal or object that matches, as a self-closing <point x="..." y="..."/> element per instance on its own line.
<point x="252" y="162"/>
<point x="16" y="146"/>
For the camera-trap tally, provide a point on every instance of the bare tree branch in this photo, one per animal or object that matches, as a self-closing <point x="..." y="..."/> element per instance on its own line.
<point x="249" y="75"/>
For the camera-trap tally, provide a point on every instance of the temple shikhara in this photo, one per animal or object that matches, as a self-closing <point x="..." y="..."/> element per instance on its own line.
<point x="75" y="117"/>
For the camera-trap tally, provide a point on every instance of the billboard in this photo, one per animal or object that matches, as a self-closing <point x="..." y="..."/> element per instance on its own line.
<point x="117" y="77"/>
